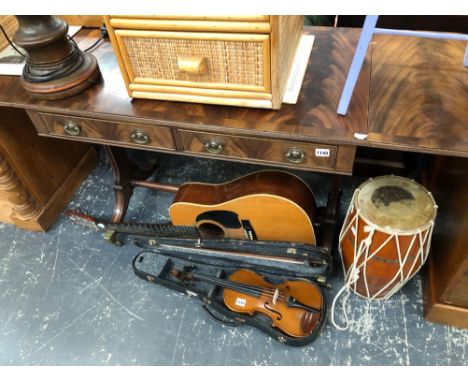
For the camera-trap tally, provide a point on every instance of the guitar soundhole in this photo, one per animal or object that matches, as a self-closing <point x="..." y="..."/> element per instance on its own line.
<point x="211" y="231"/>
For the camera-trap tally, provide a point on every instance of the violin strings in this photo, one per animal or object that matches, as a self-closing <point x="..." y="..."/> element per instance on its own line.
<point x="244" y="286"/>
<point x="271" y="293"/>
<point x="268" y="291"/>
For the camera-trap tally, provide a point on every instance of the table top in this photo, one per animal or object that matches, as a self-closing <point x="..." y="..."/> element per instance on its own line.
<point x="313" y="117"/>
<point x="409" y="96"/>
<point x="419" y="95"/>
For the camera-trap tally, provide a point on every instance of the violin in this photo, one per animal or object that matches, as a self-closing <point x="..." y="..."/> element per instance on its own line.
<point x="294" y="306"/>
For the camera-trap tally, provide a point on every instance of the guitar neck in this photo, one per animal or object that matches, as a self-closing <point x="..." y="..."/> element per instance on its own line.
<point x="158" y="230"/>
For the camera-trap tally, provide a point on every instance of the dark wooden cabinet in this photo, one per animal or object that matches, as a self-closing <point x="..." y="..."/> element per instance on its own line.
<point x="38" y="176"/>
<point x="446" y="287"/>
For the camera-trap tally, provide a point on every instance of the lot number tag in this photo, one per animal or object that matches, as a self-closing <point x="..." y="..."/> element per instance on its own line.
<point x="322" y="153"/>
<point x="240" y="301"/>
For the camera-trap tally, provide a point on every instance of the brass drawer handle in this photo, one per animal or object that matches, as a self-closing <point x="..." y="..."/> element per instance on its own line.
<point x="138" y="136"/>
<point x="192" y="65"/>
<point x="295" y="155"/>
<point x="214" y="147"/>
<point x="72" y="128"/>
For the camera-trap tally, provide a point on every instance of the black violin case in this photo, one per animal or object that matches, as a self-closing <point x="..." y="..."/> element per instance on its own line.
<point x="161" y="259"/>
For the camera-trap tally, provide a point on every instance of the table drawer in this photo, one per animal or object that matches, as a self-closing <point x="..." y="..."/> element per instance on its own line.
<point x="108" y="132"/>
<point x="308" y="155"/>
<point x="200" y="60"/>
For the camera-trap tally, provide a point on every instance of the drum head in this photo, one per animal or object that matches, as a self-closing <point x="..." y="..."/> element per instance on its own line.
<point x="395" y="203"/>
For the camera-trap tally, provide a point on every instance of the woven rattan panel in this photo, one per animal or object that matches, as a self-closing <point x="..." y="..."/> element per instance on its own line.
<point x="228" y="62"/>
<point x="10" y="24"/>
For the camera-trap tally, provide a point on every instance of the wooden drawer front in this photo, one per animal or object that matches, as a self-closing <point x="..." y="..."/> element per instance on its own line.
<point x="192" y="59"/>
<point x="300" y="154"/>
<point x="212" y="23"/>
<point x="105" y="132"/>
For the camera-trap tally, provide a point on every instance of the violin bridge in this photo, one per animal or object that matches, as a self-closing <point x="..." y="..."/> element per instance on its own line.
<point x="275" y="296"/>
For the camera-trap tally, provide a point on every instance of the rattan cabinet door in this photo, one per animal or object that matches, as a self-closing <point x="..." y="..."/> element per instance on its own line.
<point x="229" y="61"/>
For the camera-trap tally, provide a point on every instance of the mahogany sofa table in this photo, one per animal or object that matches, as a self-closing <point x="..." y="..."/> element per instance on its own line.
<point x="411" y="96"/>
<point x="105" y="114"/>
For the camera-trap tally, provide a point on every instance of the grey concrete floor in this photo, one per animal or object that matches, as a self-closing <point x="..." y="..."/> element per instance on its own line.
<point x="69" y="298"/>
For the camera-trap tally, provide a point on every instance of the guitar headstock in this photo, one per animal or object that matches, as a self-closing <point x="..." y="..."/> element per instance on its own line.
<point x="82" y="218"/>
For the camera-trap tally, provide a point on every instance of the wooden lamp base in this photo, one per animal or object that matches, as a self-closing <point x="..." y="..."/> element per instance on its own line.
<point x="85" y="76"/>
<point x="55" y="67"/>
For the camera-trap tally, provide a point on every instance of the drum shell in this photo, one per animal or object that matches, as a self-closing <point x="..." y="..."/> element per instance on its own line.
<point x="379" y="270"/>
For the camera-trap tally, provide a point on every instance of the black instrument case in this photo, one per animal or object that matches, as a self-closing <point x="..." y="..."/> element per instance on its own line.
<point x="161" y="260"/>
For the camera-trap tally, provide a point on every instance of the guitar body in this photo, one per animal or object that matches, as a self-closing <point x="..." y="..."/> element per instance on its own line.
<point x="275" y="205"/>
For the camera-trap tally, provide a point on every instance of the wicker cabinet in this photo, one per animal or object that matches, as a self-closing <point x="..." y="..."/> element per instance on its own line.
<point x="242" y="61"/>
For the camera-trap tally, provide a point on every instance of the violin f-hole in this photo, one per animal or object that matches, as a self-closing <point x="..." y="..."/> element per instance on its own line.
<point x="267" y="307"/>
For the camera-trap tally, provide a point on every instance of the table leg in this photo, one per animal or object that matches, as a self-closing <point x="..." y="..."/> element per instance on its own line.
<point x="125" y="171"/>
<point x="331" y="214"/>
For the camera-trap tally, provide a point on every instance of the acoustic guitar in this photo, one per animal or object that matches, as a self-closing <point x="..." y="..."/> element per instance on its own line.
<point x="265" y="205"/>
<point x="270" y="205"/>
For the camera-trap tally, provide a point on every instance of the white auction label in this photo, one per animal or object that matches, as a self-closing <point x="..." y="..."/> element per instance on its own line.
<point x="322" y="153"/>
<point x="240" y="301"/>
